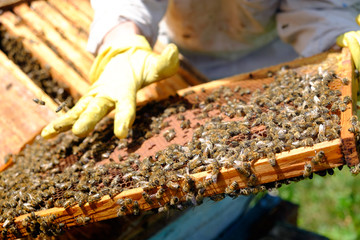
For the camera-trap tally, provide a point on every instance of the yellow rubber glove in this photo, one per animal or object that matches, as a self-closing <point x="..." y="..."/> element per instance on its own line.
<point x="116" y="75"/>
<point x="352" y="41"/>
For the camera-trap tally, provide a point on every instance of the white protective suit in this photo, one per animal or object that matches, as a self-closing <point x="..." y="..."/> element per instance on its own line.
<point x="225" y="37"/>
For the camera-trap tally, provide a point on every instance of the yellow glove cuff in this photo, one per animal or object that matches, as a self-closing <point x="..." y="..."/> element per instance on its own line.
<point x="131" y="42"/>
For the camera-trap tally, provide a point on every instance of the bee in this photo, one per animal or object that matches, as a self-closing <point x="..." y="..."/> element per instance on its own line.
<point x="174" y="200"/>
<point x="173" y="185"/>
<point x="354" y="120"/>
<point x="308" y="142"/>
<point x="188" y="185"/>
<point x="354" y="129"/>
<point x="60" y="107"/>
<point x="243" y="168"/>
<point x="252" y="180"/>
<point x="199" y="198"/>
<point x="180" y="117"/>
<point x="136" y="208"/>
<point x="69" y="203"/>
<point x="355" y="170"/>
<point x="319" y="157"/>
<point x="94" y="198"/>
<point x="38" y="101"/>
<point x="169" y="135"/>
<point x="185" y="124"/>
<point x="122" y="209"/>
<point x="232" y="187"/>
<point x="345" y="81"/>
<point x="347" y="100"/>
<point x="164" y="208"/>
<point x="335" y="107"/>
<point x="181" y="109"/>
<point x="272" y="159"/>
<point x="83" y="220"/>
<point x="307" y="170"/>
<point x="215" y="170"/>
<point x="159" y="193"/>
<point x="245" y="191"/>
<point x="342" y="107"/>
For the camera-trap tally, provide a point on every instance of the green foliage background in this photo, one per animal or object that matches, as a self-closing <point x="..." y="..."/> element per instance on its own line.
<point x="329" y="205"/>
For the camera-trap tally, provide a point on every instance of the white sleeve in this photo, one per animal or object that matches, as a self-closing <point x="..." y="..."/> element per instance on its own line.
<point x="146" y="14"/>
<point x="311" y="26"/>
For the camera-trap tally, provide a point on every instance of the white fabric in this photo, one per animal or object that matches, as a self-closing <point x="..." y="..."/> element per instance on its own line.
<point x="230" y="29"/>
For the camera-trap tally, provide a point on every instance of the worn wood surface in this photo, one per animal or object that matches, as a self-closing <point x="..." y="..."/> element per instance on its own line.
<point x="21" y="118"/>
<point x="45" y="55"/>
<point x="51" y="15"/>
<point x="349" y="144"/>
<point x="77" y="58"/>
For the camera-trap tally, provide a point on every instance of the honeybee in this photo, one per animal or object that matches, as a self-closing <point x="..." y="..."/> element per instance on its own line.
<point x="232" y="187"/>
<point x="173" y="185"/>
<point x="136" y="208"/>
<point x="347" y="100"/>
<point x="38" y="101"/>
<point x="271" y="159"/>
<point x="159" y="193"/>
<point x="185" y="124"/>
<point x="174" y="200"/>
<point x="61" y="106"/>
<point x="319" y="157"/>
<point x="217" y="197"/>
<point x="355" y="170"/>
<point x="243" y="168"/>
<point x="354" y="120"/>
<point x="69" y="203"/>
<point x="147" y="198"/>
<point x="342" y="107"/>
<point x="245" y="191"/>
<point x="164" y="208"/>
<point x="252" y="180"/>
<point x="83" y="220"/>
<point x="169" y="134"/>
<point x="345" y="81"/>
<point x="307" y="170"/>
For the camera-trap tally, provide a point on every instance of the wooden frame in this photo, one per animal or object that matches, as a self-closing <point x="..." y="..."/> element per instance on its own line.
<point x="289" y="164"/>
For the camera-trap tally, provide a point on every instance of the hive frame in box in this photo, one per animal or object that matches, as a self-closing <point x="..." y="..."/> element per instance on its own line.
<point x="289" y="164"/>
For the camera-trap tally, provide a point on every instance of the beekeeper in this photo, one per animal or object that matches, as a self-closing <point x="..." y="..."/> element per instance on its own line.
<point x="220" y="38"/>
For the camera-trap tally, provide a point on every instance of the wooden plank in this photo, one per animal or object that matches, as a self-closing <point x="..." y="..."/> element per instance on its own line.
<point x="64" y="27"/>
<point x="348" y="138"/>
<point x="21" y="118"/>
<point x="83" y="6"/>
<point x="47" y="58"/>
<point x="76" y="57"/>
<point x="4" y="4"/>
<point x="290" y="164"/>
<point x="77" y="18"/>
<point x="260" y="73"/>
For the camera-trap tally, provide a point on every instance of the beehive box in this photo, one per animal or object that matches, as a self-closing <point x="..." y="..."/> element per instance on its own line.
<point x="67" y="154"/>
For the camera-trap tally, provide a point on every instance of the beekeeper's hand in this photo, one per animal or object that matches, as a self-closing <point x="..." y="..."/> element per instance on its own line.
<point x="352" y="41"/>
<point x="116" y="75"/>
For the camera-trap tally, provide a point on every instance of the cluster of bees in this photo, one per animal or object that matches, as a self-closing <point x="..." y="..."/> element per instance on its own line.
<point x="291" y="112"/>
<point x="14" y="49"/>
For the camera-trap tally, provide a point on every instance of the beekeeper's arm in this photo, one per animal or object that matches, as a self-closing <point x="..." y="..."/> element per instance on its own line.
<point x="122" y="34"/>
<point x="312" y="27"/>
